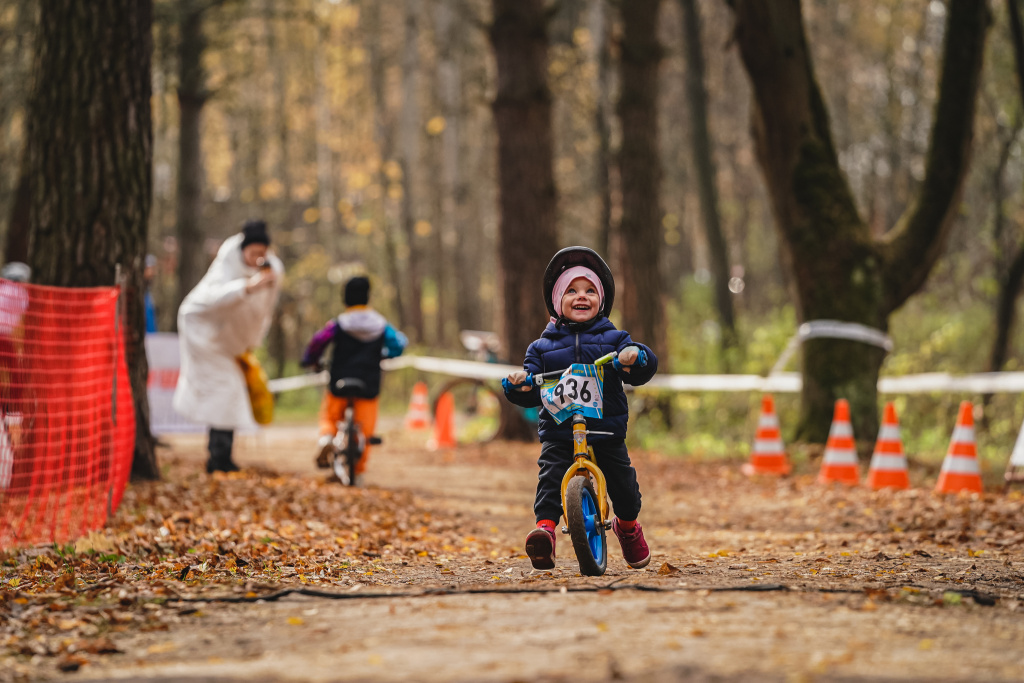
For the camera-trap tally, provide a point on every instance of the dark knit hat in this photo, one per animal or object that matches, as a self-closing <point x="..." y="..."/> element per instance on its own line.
<point x="254" y="232"/>
<point x="357" y="291"/>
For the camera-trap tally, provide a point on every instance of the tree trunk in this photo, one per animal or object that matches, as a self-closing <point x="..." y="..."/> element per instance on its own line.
<point x="324" y="167"/>
<point x="705" y="166"/>
<point x="1010" y="282"/>
<point x="277" y="54"/>
<point x="522" y="115"/>
<point x="383" y="136"/>
<point x="192" y="96"/>
<point x="409" y="132"/>
<point x="450" y="226"/>
<point x="1006" y="311"/>
<point x="90" y="154"/>
<point x="643" y="303"/>
<point x="839" y="271"/>
<point x="599" y="22"/>
<point x="15" y="70"/>
<point x="18" y="226"/>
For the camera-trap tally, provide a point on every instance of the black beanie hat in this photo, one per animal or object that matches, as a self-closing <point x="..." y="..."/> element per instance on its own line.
<point x="357" y="291"/>
<point x="254" y="232"/>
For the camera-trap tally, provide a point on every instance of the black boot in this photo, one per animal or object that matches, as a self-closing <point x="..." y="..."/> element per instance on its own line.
<point x="221" y="442"/>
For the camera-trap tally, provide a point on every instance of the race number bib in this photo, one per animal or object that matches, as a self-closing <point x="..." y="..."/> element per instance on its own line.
<point x="580" y="388"/>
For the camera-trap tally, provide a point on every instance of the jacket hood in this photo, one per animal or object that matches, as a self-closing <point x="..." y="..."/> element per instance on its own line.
<point x="365" y="324"/>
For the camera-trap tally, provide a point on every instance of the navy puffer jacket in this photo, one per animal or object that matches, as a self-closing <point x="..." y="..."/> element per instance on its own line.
<point x="558" y="348"/>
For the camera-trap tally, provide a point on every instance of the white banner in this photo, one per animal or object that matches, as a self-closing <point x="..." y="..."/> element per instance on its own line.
<point x="163" y="355"/>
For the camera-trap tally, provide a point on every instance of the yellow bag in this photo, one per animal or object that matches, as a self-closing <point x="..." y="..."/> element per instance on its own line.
<point x="259" y="394"/>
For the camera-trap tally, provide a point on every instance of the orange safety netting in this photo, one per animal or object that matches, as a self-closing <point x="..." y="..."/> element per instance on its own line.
<point x="67" y="422"/>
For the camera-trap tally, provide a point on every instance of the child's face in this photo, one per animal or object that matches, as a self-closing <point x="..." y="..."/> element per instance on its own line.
<point x="580" y="302"/>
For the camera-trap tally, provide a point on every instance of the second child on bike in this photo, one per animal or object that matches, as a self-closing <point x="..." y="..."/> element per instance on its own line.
<point x="361" y="337"/>
<point x="579" y="291"/>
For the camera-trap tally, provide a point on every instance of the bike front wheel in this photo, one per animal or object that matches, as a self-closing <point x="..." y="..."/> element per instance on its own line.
<point x="586" y="529"/>
<point x="341" y="468"/>
<point x="351" y="460"/>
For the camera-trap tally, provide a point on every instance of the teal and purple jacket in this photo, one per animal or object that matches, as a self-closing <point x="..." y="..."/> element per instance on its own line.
<point x="361" y="337"/>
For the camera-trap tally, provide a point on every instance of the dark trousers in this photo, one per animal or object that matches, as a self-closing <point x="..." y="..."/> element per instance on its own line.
<point x="613" y="459"/>
<point x="221" y="443"/>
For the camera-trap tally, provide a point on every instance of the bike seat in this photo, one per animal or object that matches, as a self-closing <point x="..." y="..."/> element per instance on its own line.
<point x="348" y="387"/>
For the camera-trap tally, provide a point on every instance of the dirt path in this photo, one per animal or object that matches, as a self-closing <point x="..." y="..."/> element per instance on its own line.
<point x="856" y="586"/>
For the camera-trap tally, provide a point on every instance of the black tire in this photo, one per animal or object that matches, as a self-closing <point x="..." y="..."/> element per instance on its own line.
<point x="353" y="453"/>
<point x="591" y="546"/>
<point x="352" y="469"/>
<point x="339" y="464"/>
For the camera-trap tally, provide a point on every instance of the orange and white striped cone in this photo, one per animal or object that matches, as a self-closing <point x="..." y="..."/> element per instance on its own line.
<point x="888" y="463"/>
<point x="840" y="460"/>
<point x="960" y="471"/>
<point x="418" y="416"/>
<point x="444" y="423"/>
<point x="769" y="455"/>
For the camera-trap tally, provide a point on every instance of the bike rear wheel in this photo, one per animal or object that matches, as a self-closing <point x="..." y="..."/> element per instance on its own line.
<point x="583" y="516"/>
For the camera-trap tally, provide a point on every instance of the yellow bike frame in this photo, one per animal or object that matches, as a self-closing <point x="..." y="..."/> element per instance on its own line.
<point x="583" y="459"/>
<point x="583" y="465"/>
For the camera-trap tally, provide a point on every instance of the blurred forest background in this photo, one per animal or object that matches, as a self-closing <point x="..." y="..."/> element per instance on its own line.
<point x="364" y="132"/>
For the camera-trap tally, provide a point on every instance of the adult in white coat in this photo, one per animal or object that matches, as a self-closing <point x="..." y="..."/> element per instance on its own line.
<point x="228" y="313"/>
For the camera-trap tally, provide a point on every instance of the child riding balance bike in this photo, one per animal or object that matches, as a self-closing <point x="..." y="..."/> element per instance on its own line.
<point x="361" y="337"/>
<point x="579" y="291"/>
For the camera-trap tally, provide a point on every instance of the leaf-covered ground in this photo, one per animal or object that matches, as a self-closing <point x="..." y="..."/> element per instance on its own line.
<point x="439" y="530"/>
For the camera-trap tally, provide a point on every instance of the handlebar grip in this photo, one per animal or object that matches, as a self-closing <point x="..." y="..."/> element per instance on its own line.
<point x="508" y="387"/>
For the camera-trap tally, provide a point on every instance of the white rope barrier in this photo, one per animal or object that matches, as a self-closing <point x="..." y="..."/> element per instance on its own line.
<point x="831" y="329"/>
<point x="780" y="382"/>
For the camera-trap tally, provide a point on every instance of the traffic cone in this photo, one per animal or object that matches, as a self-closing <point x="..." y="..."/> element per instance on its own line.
<point x="769" y="455"/>
<point x="418" y="416"/>
<point x="840" y="460"/>
<point x="444" y="423"/>
<point x="888" y="463"/>
<point x="960" y="471"/>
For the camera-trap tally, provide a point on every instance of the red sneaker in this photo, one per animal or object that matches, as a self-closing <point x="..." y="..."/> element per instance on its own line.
<point x="634" y="547"/>
<point x="540" y="548"/>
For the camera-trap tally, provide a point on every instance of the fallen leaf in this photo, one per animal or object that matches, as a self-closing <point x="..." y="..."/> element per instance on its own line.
<point x="667" y="568"/>
<point x="71" y="663"/>
<point x="96" y="646"/>
<point x="95" y="541"/>
<point x="161" y="648"/>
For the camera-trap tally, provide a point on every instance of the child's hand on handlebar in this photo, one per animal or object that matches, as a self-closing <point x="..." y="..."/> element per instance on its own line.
<point x="518" y="380"/>
<point x="628" y="356"/>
